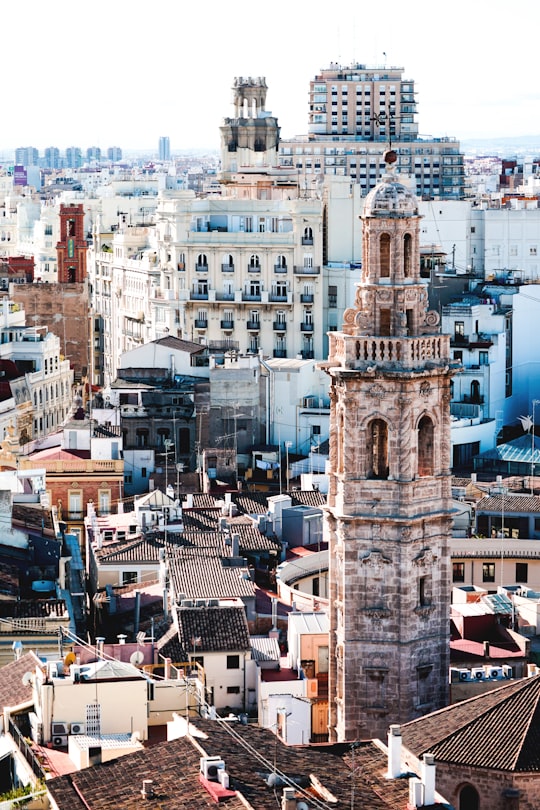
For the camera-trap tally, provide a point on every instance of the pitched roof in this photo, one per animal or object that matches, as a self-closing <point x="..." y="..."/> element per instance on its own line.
<point x="220" y="629"/>
<point x="249" y="753"/>
<point x="497" y="730"/>
<point x="12" y="689"/>
<point x="508" y="503"/>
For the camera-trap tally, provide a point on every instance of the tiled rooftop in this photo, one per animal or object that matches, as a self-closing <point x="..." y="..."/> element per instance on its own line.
<point x="249" y="754"/>
<point x="12" y="690"/>
<point x="498" y="730"/>
<point x="220" y="629"/>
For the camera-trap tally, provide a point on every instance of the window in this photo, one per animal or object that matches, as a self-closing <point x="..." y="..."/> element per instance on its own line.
<point x="425" y="446"/>
<point x="384" y="247"/>
<point x="233" y="690"/>
<point x="522" y="572"/>
<point x="332" y="296"/>
<point x="423" y="598"/>
<point x="483" y="358"/>
<point x="378" y="449"/>
<point x="233" y="662"/>
<point x="488" y="572"/>
<point x="532" y="250"/>
<point x="458" y="572"/>
<point x="468" y="798"/>
<point x="129" y="577"/>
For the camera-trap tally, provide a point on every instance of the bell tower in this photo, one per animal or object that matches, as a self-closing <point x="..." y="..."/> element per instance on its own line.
<point x="71" y="248"/>
<point x="389" y="504"/>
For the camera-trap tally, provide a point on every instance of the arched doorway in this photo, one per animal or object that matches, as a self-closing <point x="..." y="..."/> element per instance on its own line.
<point x="468" y="798"/>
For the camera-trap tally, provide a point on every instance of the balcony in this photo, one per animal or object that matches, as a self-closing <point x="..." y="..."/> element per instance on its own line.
<point x="253" y="326"/>
<point x="300" y="270"/>
<point x="227" y="324"/>
<point x="307" y="298"/>
<point x="198" y="296"/>
<point x="251" y="296"/>
<point x="278" y="268"/>
<point x="306" y="327"/>
<point x="200" y="323"/>
<point x="75" y="515"/>
<point x="278" y="298"/>
<point x="254" y="269"/>
<point x="224" y="296"/>
<point x="307" y="354"/>
<point x="280" y="326"/>
<point x="280" y="353"/>
<point x="227" y="268"/>
<point x="307" y="240"/>
<point x="201" y="268"/>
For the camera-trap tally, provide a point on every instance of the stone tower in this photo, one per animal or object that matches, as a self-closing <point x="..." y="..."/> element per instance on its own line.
<point x="388" y="516"/>
<point x="250" y="140"/>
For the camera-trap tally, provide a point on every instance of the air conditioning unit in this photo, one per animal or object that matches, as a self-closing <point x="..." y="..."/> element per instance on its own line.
<point x="210" y="767"/>
<point x="59" y="740"/>
<point x="477" y="673"/>
<point x="464" y="675"/>
<point x="36" y="728"/>
<point x="494" y="672"/>
<point x="78" y="728"/>
<point x="508" y="672"/>
<point x="58" y="728"/>
<point x="532" y="670"/>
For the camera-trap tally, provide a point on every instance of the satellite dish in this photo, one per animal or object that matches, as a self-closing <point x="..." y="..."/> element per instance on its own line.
<point x="69" y="659"/>
<point x="136" y="658"/>
<point x="28" y="679"/>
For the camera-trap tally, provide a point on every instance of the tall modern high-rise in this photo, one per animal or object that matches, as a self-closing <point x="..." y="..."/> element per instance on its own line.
<point x="355" y="114"/>
<point x="114" y="153"/>
<point x="93" y="153"/>
<point x="388" y="519"/>
<point x="52" y="158"/>
<point x="164" y="148"/>
<point x="26" y="156"/>
<point x="73" y="157"/>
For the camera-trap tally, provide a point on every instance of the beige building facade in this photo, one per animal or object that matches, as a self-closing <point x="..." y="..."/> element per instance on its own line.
<point x="389" y="503"/>
<point x="355" y="113"/>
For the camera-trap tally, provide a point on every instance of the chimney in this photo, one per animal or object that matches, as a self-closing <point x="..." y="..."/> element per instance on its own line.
<point x="100" y="640"/>
<point x="473" y="478"/>
<point x="428" y="778"/>
<point x="235" y="549"/>
<point x="486" y="649"/>
<point x="394" y="752"/>
<point x="121" y="638"/>
<point x="288" y="799"/>
<point x="147" y="791"/>
<point x="416" y="790"/>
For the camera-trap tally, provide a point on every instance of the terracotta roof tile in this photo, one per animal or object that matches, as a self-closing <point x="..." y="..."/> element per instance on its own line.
<point x="12" y="690"/>
<point x="497" y="730"/>
<point x="220" y="629"/>
<point x="249" y="753"/>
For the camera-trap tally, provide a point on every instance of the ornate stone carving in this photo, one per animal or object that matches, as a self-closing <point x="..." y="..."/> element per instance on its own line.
<point x="376" y="391"/>
<point x="375" y="559"/>
<point x="432" y="318"/>
<point x="425" y="389"/>
<point x="425" y="558"/>
<point x="384" y="295"/>
<point x="406" y="534"/>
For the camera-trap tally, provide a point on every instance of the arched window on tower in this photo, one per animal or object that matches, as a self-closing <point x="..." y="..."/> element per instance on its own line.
<point x="468" y="798"/>
<point x="378" y="449"/>
<point x="407" y="255"/>
<point x="384" y="248"/>
<point x="425" y="446"/>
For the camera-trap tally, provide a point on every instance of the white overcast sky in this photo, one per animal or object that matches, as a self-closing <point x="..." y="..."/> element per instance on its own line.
<point x="124" y="72"/>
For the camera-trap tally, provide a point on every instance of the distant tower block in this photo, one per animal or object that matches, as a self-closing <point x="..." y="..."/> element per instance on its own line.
<point x="71" y="249"/>
<point x="388" y="520"/>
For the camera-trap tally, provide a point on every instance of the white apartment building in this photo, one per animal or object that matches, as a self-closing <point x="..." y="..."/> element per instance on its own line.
<point x="479" y="393"/>
<point x="49" y="378"/>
